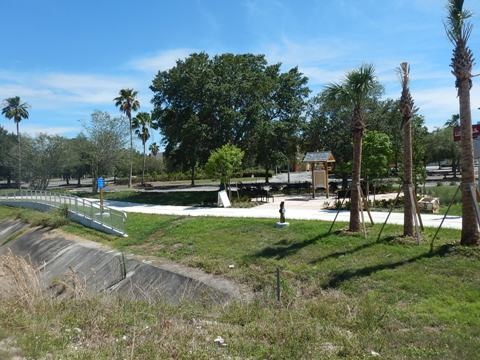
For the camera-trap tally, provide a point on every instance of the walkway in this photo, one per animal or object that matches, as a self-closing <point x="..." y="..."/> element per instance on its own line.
<point x="297" y="207"/>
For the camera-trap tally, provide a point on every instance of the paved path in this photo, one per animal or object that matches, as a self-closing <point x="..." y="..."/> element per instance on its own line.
<point x="298" y="208"/>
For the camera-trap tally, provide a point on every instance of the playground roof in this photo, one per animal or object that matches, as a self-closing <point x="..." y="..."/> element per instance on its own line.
<point x="318" y="156"/>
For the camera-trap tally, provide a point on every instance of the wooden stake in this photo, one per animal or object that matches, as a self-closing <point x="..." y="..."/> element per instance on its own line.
<point x="339" y="209"/>
<point x="360" y="199"/>
<point x="417" y="232"/>
<point x="389" y="213"/>
<point x="418" y="211"/>
<point x="474" y="198"/>
<point x="444" y="217"/>
<point x="365" y="202"/>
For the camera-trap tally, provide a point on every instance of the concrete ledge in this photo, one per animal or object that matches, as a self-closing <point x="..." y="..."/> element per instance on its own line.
<point x="9" y="228"/>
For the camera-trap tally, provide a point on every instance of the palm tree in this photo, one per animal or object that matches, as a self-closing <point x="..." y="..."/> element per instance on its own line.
<point x="141" y="123"/>
<point x="458" y="31"/>
<point x="16" y="110"/>
<point x="154" y="149"/>
<point x="127" y="102"/>
<point x="407" y="110"/>
<point x="354" y="91"/>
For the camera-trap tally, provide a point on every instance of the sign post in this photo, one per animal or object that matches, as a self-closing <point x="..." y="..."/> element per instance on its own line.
<point x="100" y="186"/>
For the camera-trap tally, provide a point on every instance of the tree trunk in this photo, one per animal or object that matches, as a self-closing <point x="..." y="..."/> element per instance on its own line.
<point x="130" y="153"/>
<point x="192" y="175"/>
<point x="408" y="228"/>
<point x="143" y="170"/>
<point x="19" y="179"/>
<point x="355" y="196"/>
<point x="470" y="234"/>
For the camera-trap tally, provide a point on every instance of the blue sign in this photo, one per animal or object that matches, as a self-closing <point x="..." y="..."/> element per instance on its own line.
<point x="100" y="183"/>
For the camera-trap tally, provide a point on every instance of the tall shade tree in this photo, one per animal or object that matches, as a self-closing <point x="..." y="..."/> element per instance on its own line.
<point x="154" y="149"/>
<point x="127" y="102"/>
<point x="15" y="110"/>
<point x="458" y="30"/>
<point x="354" y="91"/>
<point x="141" y="124"/>
<point x="406" y="106"/>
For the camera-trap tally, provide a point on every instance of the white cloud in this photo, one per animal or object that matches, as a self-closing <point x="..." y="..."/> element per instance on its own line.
<point x="34" y="130"/>
<point x="317" y="75"/>
<point x="161" y="61"/>
<point x="438" y="104"/>
<point x="55" y="90"/>
<point x="293" y="53"/>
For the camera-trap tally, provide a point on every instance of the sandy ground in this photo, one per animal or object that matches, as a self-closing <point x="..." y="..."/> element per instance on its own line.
<point x="297" y="207"/>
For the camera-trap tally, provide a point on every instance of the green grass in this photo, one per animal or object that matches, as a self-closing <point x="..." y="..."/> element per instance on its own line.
<point x="342" y="296"/>
<point x="52" y="219"/>
<point x="180" y="198"/>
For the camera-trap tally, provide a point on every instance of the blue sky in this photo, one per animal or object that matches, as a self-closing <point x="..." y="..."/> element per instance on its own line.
<point x="69" y="58"/>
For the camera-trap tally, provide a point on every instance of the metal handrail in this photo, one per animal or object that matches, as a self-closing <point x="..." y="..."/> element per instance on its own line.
<point x="84" y="208"/>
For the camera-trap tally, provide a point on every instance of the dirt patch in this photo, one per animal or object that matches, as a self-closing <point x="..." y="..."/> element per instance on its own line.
<point x="9" y="350"/>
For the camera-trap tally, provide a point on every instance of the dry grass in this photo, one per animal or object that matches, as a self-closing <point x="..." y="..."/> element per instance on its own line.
<point x="19" y="281"/>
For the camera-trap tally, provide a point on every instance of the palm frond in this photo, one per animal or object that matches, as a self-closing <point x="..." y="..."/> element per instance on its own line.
<point x="127" y="101"/>
<point x="335" y="93"/>
<point x="361" y="82"/>
<point x="403" y="72"/>
<point x="456" y="26"/>
<point x="15" y="109"/>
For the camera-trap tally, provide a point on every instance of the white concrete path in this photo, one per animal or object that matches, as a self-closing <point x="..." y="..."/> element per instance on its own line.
<point x="298" y="208"/>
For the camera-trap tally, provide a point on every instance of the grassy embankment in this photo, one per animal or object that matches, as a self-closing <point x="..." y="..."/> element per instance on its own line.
<point x="343" y="296"/>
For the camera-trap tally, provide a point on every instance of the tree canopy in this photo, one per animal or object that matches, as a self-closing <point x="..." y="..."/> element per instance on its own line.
<point x="203" y="102"/>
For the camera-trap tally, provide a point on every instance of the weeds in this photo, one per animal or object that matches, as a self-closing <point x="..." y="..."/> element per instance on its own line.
<point x="52" y="219"/>
<point x="343" y="296"/>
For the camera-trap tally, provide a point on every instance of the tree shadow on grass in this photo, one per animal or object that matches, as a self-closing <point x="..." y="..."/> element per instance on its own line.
<point x="280" y="252"/>
<point x="339" y="277"/>
<point x="338" y="254"/>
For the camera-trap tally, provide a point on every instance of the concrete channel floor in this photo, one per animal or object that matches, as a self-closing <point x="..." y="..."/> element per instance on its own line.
<point x="297" y="208"/>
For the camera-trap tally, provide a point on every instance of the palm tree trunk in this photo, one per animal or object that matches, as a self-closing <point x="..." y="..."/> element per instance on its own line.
<point x="470" y="234"/>
<point x="355" y="196"/>
<point x="19" y="158"/>
<point x="130" y="153"/>
<point x="143" y="170"/>
<point x="408" y="229"/>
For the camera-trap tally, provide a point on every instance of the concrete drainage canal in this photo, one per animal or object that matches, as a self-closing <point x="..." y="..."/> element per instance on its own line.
<point x="103" y="270"/>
